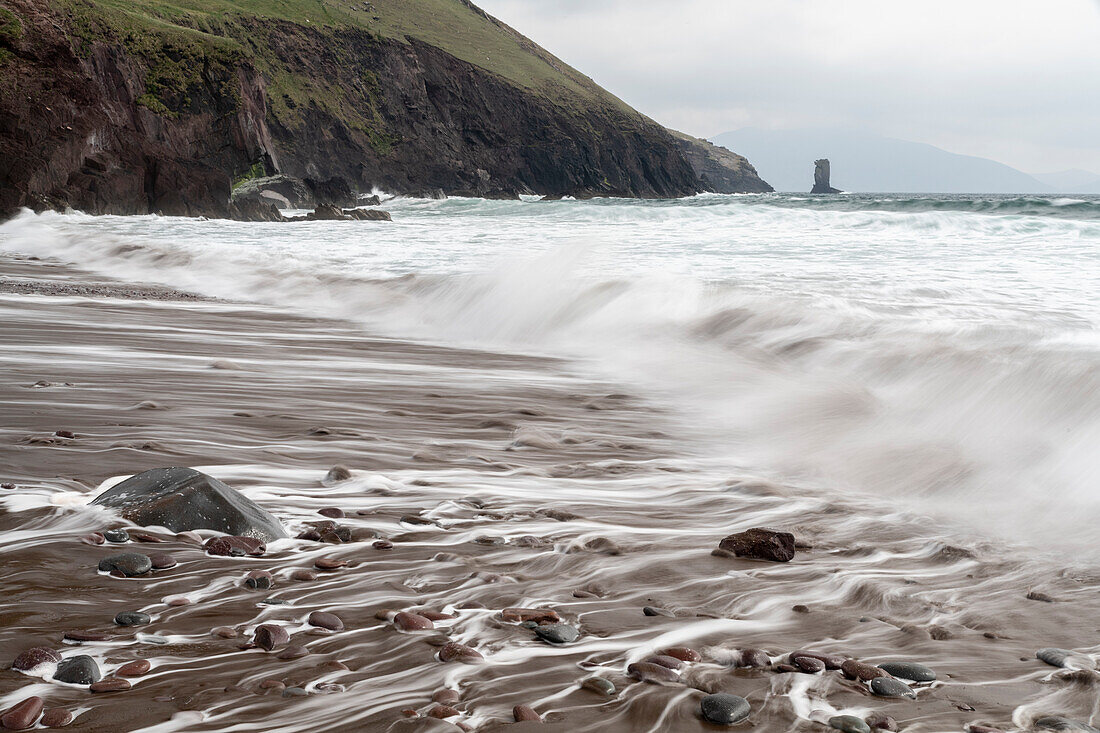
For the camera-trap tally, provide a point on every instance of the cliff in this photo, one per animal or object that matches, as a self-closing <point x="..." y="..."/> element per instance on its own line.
<point x="718" y="169"/>
<point x="135" y="106"/>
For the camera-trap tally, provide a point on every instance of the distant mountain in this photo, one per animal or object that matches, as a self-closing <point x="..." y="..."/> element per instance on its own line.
<point x="1071" y="181"/>
<point x="867" y="162"/>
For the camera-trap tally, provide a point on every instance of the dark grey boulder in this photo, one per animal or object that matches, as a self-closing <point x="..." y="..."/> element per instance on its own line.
<point x="889" y="687"/>
<point x="725" y="709"/>
<point x="132" y="618"/>
<point x="849" y="724"/>
<point x="184" y="499"/>
<point x="760" y="543"/>
<point x="557" y="633"/>
<point x="79" y="670"/>
<point x="909" y="671"/>
<point x="128" y="564"/>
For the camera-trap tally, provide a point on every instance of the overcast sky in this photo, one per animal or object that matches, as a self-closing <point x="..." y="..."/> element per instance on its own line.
<point x="1005" y="79"/>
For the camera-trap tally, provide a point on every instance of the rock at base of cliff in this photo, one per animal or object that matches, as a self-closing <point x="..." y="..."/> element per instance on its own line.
<point x="285" y="192"/>
<point x="184" y="499"/>
<point x="249" y="209"/>
<point x="334" y="191"/>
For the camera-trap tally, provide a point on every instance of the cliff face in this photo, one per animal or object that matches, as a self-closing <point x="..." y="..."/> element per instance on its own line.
<point x="135" y="106"/>
<point x="720" y="170"/>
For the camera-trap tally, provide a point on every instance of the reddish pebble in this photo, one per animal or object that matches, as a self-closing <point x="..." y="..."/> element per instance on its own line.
<point x="382" y="545"/>
<point x="334" y="665"/>
<point x="753" y="658"/>
<point x="272" y="685"/>
<point x="294" y="651"/>
<point x="664" y="661"/>
<point x="809" y="665"/>
<point x="223" y="632"/>
<point x="136" y="668"/>
<point x="22" y="715"/>
<point x="301" y="574"/>
<point x="234" y="546"/>
<point x="259" y="579"/>
<point x="328" y="563"/>
<point x="436" y="615"/>
<point x="786" y="668"/>
<point x="452" y="651"/>
<point x="410" y="713"/>
<point x="524" y="713"/>
<point x="649" y="672"/>
<point x="385" y="614"/>
<point x="326" y="620"/>
<point x="176" y="601"/>
<point x="145" y="537"/>
<point x="189" y="536"/>
<point x="95" y="538"/>
<point x="445" y="697"/>
<point x="34" y="657"/>
<point x="538" y="615"/>
<point x="855" y="670"/>
<point x="831" y="661"/>
<point x="443" y="711"/>
<point x="162" y="561"/>
<point x="56" y="718"/>
<point x="86" y="636"/>
<point x="110" y="684"/>
<point x="682" y="653"/>
<point x="269" y="636"/>
<point x="332" y="512"/>
<point x="412" y="622"/>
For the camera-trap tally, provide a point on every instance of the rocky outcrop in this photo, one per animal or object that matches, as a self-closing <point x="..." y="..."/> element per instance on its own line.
<point x="720" y="170"/>
<point x="104" y="114"/>
<point x="821" y="177"/>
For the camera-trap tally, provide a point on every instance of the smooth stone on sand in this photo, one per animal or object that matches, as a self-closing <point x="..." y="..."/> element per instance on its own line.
<point x="442" y="712"/>
<point x="445" y="696"/>
<point x="23" y="714"/>
<point x="129" y="564"/>
<point x="654" y="611"/>
<point x="909" y="671"/>
<point x="294" y="651"/>
<point x="600" y="685"/>
<point x="117" y="536"/>
<point x="259" y="580"/>
<point x="335" y="475"/>
<point x="94" y="538"/>
<point x="35" y="657"/>
<point x="270" y="636"/>
<point x="78" y="670"/>
<point x="760" y="543"/>
<point x="328" y="563"/>
<point x="724" y="709"/>
<point x="683" y="653"/>
<point x="162" y="561"/>
<point x="223" y="632"/>
<point x="751" y="657"/>
<point x="809" y="665"/>
<point x="325" y="620"/>
<point x="136" y="668"/>
<point x="557" y="633"/>
<point x="56" y="718"/>
<point x="664" y="661"/>
<point x="849" y="724"/>
<point x="235" y="546"/>
<point x="183" y="499"/>
<point x="525" y="713"/>
<point x="831" y="661"/>
<point x="649" y="672"/>
<point x="110" y="684"/>
<point x="406" y="621"/>
<point x="302" y="575"/>
<point x="1064" y="658"/>
<point x="890" y="687"/>
<point x="881" y="721"/>
<point x="856" y="670"/>
<point x="132" y="618"/>
<point x="294" y="692"/>
<point x="452" y="651"/>
<point x="1057" y="722"/>
<point x="538" y="615"/>
<point x="332" y="512"/>
<point x="86" y="636"/>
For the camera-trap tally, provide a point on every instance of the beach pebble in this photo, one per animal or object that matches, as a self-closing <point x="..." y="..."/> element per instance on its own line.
<point x="110" y="684"/>
<point x="78" y="670"/>
<point x="331" y="512"/>
<point x="452" y="651"/>
<point x="557" y="633"/>
<point x="326" y="620"/>
<point x="329" y="563"/>
<point x="889" y="687"/>
<point x="445" y="697"/>
<point x="881" y="721"/>
<point x="382" y="545"/>
<point x="270" y="636"/>
<point x="23" y="714"/>
<point x="294" y="651"/>
<point x="223" y="632"/>
<point x="176" y="601"/>
<point x="270" y="684"/>
<point x="1063" y="658"/>
<point x="35" y="657"/>
<point x="724" y="709"/>
<point x="831" y="661"/>
<point x="909" y="671"/>
<point x="56" y="718"/>
<point x="235" y="546"/>
<point x="302" y="575"/>
<point x="849" y="724"/>
<point x="95" y="538"/>
<point x="760" y="544"/>
<point x="128" y="564"/>
<point x="335" y="475"/>
<point x="162" y="561"/>
<point x="136" y="668"/>
<point x="117" y="536"/>
<point x="294" y="692"/>
<point x="259" y="580"/>
<point x="683" y="653"/>
<point x="412" y="621"/>
<point x="600" y="685"/>
<point x="74" y="635"/>
<point x="190" y="537"/>
<point x="856" y="670"/>
<point x="654" y="611"/>
<point x="809" y="665"/>
<point x="435" y="615"/>
<point x="800" y="608"/>
<point x="753" y="658"/>
<point x="538" y="615"/>
<point x="649" y="672"/>
<point x="786" y="668"/>
<point x="132" y="618"/>
<point x="442" y="712"/>
<point x="524" y="713"/>
<point x="309" y="535"/>
<point x="664" y="661"/>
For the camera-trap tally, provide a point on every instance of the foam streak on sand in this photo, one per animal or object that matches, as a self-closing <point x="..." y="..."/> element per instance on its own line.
<point x="482" y="480"/>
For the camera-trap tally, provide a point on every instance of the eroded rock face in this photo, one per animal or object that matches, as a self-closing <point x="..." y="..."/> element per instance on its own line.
<point x="821" y="177"/>
<point x="183" y="499"/>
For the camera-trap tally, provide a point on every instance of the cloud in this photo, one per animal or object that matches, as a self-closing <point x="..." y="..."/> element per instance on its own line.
<point x="1014" y="80"/>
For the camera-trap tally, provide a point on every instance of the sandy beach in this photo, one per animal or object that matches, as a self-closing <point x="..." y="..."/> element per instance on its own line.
<point x="479" y="481"/>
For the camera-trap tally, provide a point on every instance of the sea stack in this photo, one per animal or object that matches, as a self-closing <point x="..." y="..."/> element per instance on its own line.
<point x="821" y="177"/>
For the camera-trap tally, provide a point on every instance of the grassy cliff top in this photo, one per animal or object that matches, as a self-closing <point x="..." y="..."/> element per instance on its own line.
<point x="455" y="26"/>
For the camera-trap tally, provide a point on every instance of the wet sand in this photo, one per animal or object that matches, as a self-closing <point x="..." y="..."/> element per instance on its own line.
<point x="501" y="481"/>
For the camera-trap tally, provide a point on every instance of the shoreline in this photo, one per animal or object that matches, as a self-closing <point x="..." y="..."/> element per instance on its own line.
<point x="501" y="481"/>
